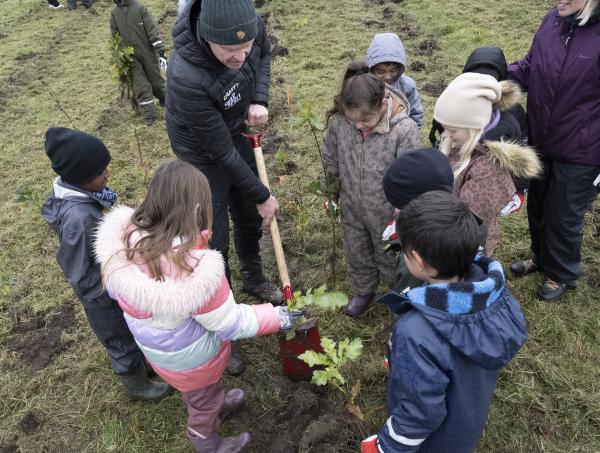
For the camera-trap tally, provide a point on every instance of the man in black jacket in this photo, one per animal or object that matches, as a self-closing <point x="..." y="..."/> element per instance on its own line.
<point x="217" y="85"/>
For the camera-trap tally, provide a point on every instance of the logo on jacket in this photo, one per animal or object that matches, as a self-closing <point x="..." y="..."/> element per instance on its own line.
<point x="231" y="96"/>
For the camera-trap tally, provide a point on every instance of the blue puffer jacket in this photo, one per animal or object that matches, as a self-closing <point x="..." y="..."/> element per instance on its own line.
<point x="388" y="48"/>
<point x="446" y="351"/>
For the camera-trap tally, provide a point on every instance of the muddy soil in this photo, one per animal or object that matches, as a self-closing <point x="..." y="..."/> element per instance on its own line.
<point x="271" y="143"/>
<point x="301" y="420"/>
<point x="30" y="423"/>
<point x="279" y="51"/>
<point x="38" y="340"/>
<point x="434" y="89"/>
<point x="10" y="447"/>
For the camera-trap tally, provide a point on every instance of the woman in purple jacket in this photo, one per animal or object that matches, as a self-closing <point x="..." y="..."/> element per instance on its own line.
<point x="561" y="73"/>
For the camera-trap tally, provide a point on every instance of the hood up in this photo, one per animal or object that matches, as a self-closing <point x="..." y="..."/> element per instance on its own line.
<point x="386" y="48"/>
<point x="477" y="316"/>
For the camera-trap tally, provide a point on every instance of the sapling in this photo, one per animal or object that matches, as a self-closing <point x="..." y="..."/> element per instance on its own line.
<point x="320" y="298"/>
<point x="330" y="364"/>
<point x="122" y="61"/>
<point x="307" y="117"/>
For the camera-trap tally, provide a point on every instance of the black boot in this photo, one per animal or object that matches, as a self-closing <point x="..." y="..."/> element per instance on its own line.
<point x="236" y="363"/>
<point x="139" y="387"/>
<point x="266" y="291"/>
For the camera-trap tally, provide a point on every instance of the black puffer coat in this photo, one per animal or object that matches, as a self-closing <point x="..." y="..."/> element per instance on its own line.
<point x="207" y="103"/>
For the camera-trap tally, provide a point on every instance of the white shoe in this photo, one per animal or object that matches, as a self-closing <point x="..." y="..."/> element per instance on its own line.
<point x="59" y="6"/>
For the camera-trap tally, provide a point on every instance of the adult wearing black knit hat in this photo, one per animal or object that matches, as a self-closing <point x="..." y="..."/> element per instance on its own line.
<point x="218" y="85"/>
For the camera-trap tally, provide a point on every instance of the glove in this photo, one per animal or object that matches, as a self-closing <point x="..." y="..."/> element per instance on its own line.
<point x="162" y="59"/>
<point x="288" y="318"/>
<point x="333" y="205"/>
<point x="390" y="238"/>
<point x="516" y="203"/>
<point x="596" y="183"/>
<point x="369" y="445"/>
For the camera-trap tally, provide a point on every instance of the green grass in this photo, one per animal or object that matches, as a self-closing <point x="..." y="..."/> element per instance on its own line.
<point x="547" y="400"/>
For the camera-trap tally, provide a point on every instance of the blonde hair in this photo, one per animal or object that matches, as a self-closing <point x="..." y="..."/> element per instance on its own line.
<point x="587" y="11"/>
<point x="465" y="151"/>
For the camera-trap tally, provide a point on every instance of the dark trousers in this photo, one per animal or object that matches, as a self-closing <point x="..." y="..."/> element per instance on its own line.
<point x="107" y="321"/>
<point x="556" y="208"/>
<point x="227" y="200"/>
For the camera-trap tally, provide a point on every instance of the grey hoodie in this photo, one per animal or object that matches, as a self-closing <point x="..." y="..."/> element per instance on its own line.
<point x="74" y="215"/>
<point x="388" y="48"/>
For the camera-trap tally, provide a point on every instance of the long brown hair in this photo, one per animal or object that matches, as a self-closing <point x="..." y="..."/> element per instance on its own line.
<point x="177" y="206"/>
<point x="360" y="90"/>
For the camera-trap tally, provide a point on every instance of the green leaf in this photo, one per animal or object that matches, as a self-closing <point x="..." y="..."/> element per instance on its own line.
<point x="355" y="349"/>
<point x="328" y="346"/>
<point x="312" y="358"/>
<point x="331" y="301"/>
<point x="320" y="377"/>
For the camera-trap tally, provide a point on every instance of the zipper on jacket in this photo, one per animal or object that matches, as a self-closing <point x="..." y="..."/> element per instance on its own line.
<point x="360" y="170"/>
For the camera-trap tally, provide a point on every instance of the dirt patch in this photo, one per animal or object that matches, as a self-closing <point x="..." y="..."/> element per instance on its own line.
<point x="274" y="40"/>
<point x="347" y="55"/>
<point x="373" y="23"/>
<point x="417" y="66"/>
<point x="30" y="423"/>
<point x="26" y="56"/>
<point x="434" y="88"/>
<point x="272" y="143"/>
<point x="323" y="428"/>
<point x="290" y="167"/>
<point x="38" y="340"/>
<point x="259" y="3"/>
<point x="279" y="81"/>
<point x="387" y="12"/>
<point x="11" y="447"/>
<point x="168" y="13"/>
<point x="3" y="35"/>
<point x="428" y="46"/>
<point x="279" y="51"/>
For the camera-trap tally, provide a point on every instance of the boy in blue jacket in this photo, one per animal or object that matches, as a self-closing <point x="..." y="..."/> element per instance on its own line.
<point x="386" y="59"/>
<point x="73" y="210"/>
<point x="453" y="337"/>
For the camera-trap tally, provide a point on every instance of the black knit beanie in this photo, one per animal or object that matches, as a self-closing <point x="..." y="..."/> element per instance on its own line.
<point x="227" y="21"/>
<point x="484" y="59"/>
<point x="416" y="172"/>
<point x="76" y="157"/>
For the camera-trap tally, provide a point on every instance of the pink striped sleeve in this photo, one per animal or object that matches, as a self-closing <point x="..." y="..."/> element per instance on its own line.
<point x="268" y="321"/>
<point x="218" y="299"/>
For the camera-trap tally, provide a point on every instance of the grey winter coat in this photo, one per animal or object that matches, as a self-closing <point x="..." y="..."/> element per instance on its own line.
<point x="388" y="48"/>
<point x="74" y="216"/>
<point x="359" y="165"/>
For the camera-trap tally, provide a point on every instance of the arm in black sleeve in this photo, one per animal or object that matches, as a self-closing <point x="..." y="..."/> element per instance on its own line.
<point x="206" y="123"/>
<point x="263" y="75"/>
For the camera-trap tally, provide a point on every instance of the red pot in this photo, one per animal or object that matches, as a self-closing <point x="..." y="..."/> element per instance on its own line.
<point x="307" y="338"/>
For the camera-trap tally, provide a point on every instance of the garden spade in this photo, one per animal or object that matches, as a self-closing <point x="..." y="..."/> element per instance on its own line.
<point x="307" y="336"/>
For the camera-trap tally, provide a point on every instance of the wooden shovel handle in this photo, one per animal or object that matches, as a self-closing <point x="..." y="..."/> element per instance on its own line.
<point x="279" y="256"/>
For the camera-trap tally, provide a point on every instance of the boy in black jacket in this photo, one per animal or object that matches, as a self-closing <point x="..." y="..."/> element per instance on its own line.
<point x="73" y="210"/>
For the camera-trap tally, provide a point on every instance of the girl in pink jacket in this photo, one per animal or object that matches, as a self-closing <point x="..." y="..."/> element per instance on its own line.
<point x="176" y="298"/>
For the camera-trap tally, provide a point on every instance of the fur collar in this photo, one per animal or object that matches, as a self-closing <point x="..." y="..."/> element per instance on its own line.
<point x="520" y="161"/>
<point x="164" y="298"/>
<point x="511" y="95"/>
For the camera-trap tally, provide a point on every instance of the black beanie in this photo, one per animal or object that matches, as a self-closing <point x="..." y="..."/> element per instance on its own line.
<point x="416" y="172"/>
<point x="488" y="57"/>
<point x="76" y="157"/>
<point x="227" y="21"/>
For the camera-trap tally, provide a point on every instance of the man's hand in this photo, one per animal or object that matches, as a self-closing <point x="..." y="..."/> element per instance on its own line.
<point x="257" y="115"/>
<point x="268" y="209"/>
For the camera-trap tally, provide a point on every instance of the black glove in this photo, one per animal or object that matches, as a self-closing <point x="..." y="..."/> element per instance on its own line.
<point x="435" y="129"/>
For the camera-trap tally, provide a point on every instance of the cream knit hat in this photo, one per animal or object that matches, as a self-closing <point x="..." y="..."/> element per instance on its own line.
<point x="467" y="101"/>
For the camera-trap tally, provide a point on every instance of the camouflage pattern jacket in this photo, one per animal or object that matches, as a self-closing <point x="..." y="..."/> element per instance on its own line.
<point x="360" y="164"/>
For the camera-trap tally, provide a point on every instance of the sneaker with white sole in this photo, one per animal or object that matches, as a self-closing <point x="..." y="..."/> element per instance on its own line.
<point x="514" y="205"/>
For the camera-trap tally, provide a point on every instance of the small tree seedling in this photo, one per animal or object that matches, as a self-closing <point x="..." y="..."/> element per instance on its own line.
<point x="122" y="61"/>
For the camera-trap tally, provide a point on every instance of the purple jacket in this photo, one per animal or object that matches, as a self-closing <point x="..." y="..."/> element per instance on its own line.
<point x="561" y="73"/>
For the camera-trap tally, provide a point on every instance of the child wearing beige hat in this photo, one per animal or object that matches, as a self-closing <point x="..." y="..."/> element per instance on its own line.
<point x="483" y="170"/>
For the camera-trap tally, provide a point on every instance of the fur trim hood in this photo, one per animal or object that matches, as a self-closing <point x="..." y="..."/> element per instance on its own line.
<point x="511" y="95"/>
<point x="519" y="161"/>
<point x="168" y="298"/>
